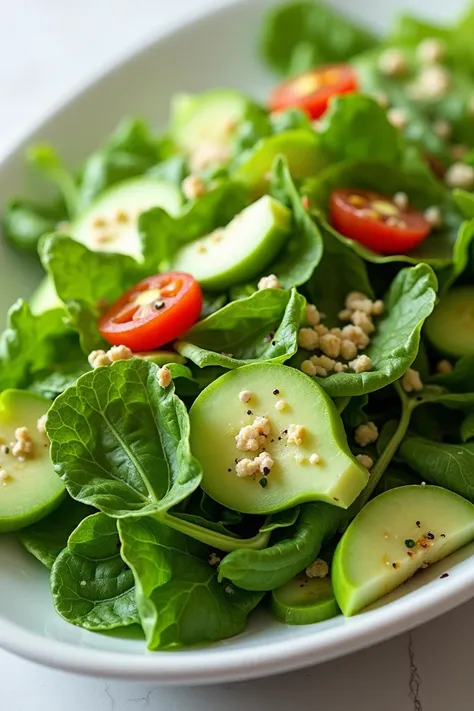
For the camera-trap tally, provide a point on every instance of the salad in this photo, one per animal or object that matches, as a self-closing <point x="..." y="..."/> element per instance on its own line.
<point x="247" y="376"/>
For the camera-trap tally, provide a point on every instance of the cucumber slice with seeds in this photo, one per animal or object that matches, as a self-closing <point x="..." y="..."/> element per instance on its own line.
<point x="304" y="601"/>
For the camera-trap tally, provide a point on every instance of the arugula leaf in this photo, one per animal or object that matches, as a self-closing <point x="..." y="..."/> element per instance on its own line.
<point x="467" y="428"/>
<point x="311" y="29"/>
<point x="91" y="586"/>
<point x="410" y="300"/>
<point x="346" y="271"/>
<point x="47" y="538"/>
<point x="131" y="150"/>
<point x="344" y="133"/>
<point x="55" y="379"/>
<point x="174" y="580"/>
<point x="283" y="519"/>
<point x="45" y="159"/>
<point x="25" y="222"/>
<point x="27" y="343"/>
<point x="297" y="547"/>
<point x="447" y="465"/>
<point x="85" y="280"/>
<point x="263" y="326"/>
<point x="423" y="191"/>
<point x="120" y="442"/>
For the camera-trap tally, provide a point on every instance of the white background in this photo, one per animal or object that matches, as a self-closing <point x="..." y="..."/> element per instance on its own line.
<point x="47" y="47"/>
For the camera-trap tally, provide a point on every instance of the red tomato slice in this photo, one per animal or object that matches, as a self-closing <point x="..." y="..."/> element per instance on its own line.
<point x="154" y="312"/>
<point x="312" y="91"/>
<point x="375" y="221"/>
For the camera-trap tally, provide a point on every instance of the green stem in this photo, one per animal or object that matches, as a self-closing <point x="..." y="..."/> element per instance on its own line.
<point x="213" y="538"/>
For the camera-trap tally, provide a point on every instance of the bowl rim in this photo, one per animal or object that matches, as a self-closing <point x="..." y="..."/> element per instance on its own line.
<point x="191" y="667"/>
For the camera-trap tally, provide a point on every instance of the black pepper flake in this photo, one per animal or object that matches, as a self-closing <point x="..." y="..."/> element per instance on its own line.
<point x="158" y="305"/>
<point x="279" y="439"/>
<point x="285" y="432"/>
<point x="276" y="392"/>
<point x="6" y="450"/>
<point x="266" y="471"/>
<point x="445" y="575"/>
<point x="430" y="536"/>
<point x="263" y="482"/>
<point x="274" y="343"/>
<point x="249" y="412"/>
<point x="335" y="499"/>
<point x="442" y="535"/>
<point x="229" y="470"/>
<point x="395" y="565"/>
<point x="410" y="543"/>
<point x="418" y="523"/>
<point x="272" y="440"/>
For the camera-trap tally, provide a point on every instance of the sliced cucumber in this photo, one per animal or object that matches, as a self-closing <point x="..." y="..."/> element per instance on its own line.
<point x="303" y="601"/>
<point x="451" y="326"/>
<point x="218" y="415"/>
<point x="29" y="487"/>
<point x="204" y="125"/>
<point x="392" y="537"/>
<point x="161" y="357"/>
<point x="240" y="251"/>
<point x="301" y="149"/>
<point x="111" y="223"/>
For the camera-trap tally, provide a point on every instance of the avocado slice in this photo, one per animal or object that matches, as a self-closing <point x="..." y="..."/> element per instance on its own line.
<point x="218" y="415"/>
<point x="397" y="533"/>
<point x="450" y="328"/>
<point x="204" y="125"/>
<point x="300" y="148"/>
<point x="29" y="487"/>
<point x="110" y="224"/>
<point x="241" y="250"/>
<point x="304" y="601"/>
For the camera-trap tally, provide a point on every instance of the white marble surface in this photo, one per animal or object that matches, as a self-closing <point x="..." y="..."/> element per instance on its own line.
<point x="46" y="48"/>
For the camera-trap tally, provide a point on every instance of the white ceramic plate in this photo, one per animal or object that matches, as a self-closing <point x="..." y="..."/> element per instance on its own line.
<point x="215" y="50"/>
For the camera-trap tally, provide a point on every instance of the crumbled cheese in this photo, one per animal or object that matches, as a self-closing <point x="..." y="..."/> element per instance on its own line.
<point x="336" y="331"/>
<point x="377" y="307"/>
<point x="280" y="405"/>
<point x="321" y="329"/>
<point x="262" y="464"/>
<point x="313" y="317"/>
<point x="296" y="434"/>
<point x="119" y="353"/>
<point x="208" y="154"/>
<point x="308" y="367"/>
<point x="460" y="175"/>
<point x="393" y="63"/>
<point x="366" y="434"/>
<point x="362" y="364"/>
<point x="245" y="395"/>
<point x="431" y="50"/>
<point x="98" y="358"/>
<point x="213" y="559"/>
<point x="356" y="335"/>
<point x="353" y="299"/>
<point x="164" y="377"/>
<point x="432" y="82"/>
<point x="41" y="424"/>
<point x="359" y="318"/>
<point x="4" y="476"/>
<point x="330" y="345"/>
<point x="299" y="458"/>
<point x="314" y="458"/>
<point x="411" y="381"/>
<point x="381" y="99"/>
<point x="340" y="367"/>
<point x="252" y="437"/>
<point x="322" y="372"/>
<point x="365" y="460"/>
<point x="434" y="217"/>
<point x="23" y="446"/>
<point x="444" y="367"/>
<point x="443" y="129"/>
<point x="318" y="569"/>
<point x="308" y="339"/>
<point x="323" y="361"/>
<point x="345" y="315"/>
<point x="397" y="117"/>
<point x="193" y="186"/>
<point x="400" y="199"/>
<point x="269" y="282"/>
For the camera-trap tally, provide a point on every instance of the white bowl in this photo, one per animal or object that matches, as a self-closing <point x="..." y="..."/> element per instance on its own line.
<point x="215" y="50"/>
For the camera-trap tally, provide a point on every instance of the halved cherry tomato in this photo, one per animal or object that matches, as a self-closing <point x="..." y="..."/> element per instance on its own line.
<point x="375" y="221"/>
<point x="311" y="91"/>
<point x="154" y="312"/>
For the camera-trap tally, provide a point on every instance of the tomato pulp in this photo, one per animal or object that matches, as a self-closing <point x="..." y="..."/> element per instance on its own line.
<point x="312" y="91"/>
<point x="375" y="221"/>
<point x="154" y="312"/>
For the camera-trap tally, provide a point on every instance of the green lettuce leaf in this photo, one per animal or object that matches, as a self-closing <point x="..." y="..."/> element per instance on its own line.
<point x="263" y="326"/>
<point x="46" y="160"/>
<point x="178" y="595"/>
<point x="467" y="428"/>
<point x="91" y="585"/>
<point x="24" y="222"/>
<point x="47" y="538"/>
<point x="299" y="35"/>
